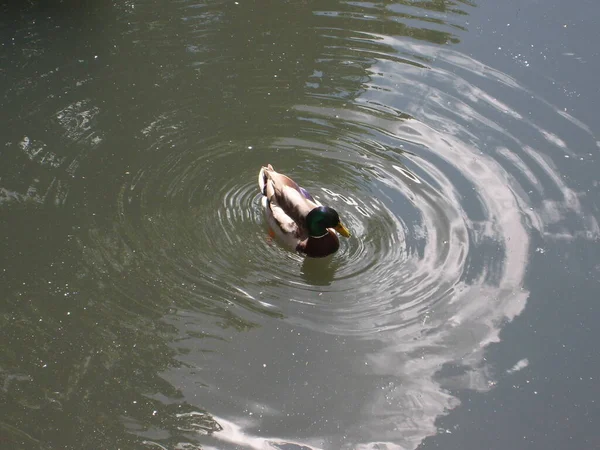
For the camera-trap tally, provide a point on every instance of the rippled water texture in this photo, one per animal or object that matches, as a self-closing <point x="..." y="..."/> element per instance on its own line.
<point x="155" y="311"/>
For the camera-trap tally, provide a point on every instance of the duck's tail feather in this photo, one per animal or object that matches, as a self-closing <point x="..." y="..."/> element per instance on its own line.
<point x="262" y="178"/>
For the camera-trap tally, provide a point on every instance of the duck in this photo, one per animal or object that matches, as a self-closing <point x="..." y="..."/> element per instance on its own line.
<point x="296" y="218"/>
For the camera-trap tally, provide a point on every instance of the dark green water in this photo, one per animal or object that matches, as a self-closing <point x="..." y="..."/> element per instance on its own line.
<point x="142" y="305"/>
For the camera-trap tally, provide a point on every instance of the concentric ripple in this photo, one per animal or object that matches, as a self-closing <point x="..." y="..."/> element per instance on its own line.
<point x="207" y="228"/>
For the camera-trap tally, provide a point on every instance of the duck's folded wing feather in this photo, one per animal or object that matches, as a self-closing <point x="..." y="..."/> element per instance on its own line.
<point x="292" y="198"/>
<point x="285" y="222"/>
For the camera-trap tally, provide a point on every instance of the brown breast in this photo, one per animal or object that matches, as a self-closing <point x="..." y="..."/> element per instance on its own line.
<point x="319" y="247"/>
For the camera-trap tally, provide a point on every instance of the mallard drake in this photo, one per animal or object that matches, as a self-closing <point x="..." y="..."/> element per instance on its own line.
<point x="296" y="217"/>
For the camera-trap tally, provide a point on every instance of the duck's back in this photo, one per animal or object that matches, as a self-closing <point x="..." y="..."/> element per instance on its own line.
<point x="286" y="193"/>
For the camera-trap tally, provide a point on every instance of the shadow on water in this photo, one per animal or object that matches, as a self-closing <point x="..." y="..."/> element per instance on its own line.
<point x="104" y="197"/>
<point x="319" y="272"/>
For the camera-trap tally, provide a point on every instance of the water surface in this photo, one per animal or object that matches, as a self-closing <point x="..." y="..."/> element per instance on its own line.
<point x="143" y="305"/>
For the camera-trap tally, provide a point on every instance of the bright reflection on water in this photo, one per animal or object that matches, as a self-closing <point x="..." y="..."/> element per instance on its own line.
<point x="174" y="322"/>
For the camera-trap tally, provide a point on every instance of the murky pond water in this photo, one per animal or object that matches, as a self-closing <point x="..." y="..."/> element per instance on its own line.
<point x="143" y="305"/>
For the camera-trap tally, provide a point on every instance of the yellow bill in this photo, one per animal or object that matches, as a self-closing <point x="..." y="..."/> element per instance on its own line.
<point x="340" y="228"/>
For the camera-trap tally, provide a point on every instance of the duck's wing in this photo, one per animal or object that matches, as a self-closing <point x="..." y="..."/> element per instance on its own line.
<point x="283" y="221"/>
<point x="281" y="190"/>
<point x="307" y="195"/>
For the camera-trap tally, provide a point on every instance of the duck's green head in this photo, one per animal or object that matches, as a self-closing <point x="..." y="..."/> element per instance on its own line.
<point x="323" y="217"/>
